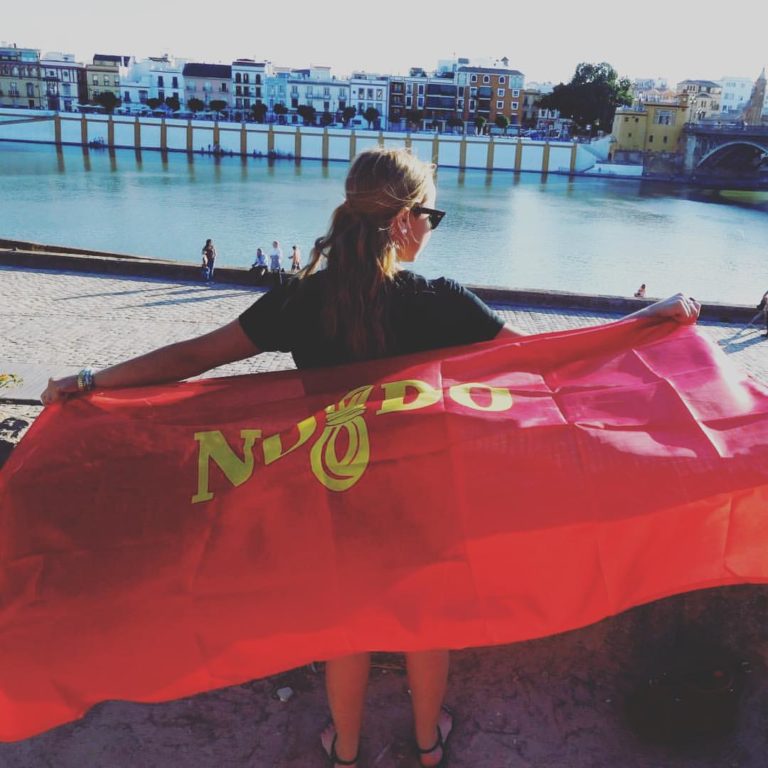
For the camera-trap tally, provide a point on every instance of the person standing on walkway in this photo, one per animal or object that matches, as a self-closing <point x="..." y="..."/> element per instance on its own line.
<point x="209" y="259"/>
<point x="386" y="219"/>
<point x="276" y="262"/>
<point x="295" y="259"/>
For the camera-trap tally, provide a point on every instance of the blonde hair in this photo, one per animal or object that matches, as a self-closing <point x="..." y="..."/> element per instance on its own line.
<point x="361" y="245"/>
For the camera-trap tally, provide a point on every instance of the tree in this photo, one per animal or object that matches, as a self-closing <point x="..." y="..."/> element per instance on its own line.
<point x="307" y="113"/>
<point x="414" y="116"/>
<point x="153" y="104"/>
<point x="218" y="105"/>
<point x="280" y="110"/>
<point x="172" y="102"/>
<point x="455" y="122"/>
<point x="347" y="114"/>
<point x="592" y="96"/>
<point x="195" y="105"/>
<point x="502" y="121"/>
<point x="326" y="118"/>
<point x="480" y="122"/>
<point x="108" y="100"/>
<point x="259" y="111"/>
<point x="371" y="115"/>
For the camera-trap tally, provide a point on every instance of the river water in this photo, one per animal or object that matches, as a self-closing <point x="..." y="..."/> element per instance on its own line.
<point x="589" y="235"/>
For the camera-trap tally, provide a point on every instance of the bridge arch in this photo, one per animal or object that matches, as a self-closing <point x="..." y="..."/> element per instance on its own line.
<point x="734" y="156"/>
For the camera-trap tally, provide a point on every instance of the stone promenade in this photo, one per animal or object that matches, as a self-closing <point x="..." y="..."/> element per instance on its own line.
<point x="557" y="702"/>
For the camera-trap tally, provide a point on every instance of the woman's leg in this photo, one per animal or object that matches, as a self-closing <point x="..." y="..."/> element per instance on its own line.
<point x="346" y="680"/>
<point x="428" y="678"/>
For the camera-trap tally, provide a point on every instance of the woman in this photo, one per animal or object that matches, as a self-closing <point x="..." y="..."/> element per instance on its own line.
<point x="354" y="301"/>
<point x="209" y="258"/>
<point x="259" y="265"/>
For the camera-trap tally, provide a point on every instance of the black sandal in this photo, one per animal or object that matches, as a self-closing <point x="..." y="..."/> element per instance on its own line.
<point x="439" y="744"/>
<point x="334" y="759"/>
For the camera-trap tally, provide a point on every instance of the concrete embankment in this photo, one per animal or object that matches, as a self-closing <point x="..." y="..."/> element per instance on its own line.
<point x="25" y="254"/>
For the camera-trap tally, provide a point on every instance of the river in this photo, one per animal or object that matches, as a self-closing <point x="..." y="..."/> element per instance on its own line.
<point x="588" y="235"/>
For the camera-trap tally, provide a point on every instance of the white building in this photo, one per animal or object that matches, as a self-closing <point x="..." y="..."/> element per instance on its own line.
<point x="369" y="90"/>
<point x="207" y="83"/>
<point x="157" y="77"/>
<point x="736" y="93"/>
<point x="316" y="87"/>
<point x="63" y="80"/>
<point x="248" y="84"/>
<point x="276" y="89"/>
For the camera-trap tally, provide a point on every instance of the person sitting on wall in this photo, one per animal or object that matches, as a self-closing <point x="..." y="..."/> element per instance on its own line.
<point x="640" y="292"/>
<point x="259" y="266"/>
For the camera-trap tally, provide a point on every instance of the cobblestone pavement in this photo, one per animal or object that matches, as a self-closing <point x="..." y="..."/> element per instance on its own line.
<point x="549" y="703"/>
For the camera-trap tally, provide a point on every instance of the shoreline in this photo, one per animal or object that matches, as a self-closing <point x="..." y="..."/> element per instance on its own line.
<point x="32" y="255"/>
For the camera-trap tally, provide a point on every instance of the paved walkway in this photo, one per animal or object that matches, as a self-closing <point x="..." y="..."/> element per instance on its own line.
<point x="551" y="703"/>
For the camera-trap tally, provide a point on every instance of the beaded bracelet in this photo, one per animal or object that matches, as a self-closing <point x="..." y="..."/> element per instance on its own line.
<point x="85" y="380"/>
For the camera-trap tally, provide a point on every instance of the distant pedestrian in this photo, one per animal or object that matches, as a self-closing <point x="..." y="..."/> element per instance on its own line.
<point x="762" y="313"/>
<point x="276" y="262"/>
<point x="259" y="266"/>
<point x="295" y="259"/>
<point x="209" y="259"/>
<point x="640" y="292"/>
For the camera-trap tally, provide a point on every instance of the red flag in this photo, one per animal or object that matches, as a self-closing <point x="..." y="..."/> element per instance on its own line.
<point x="160" y="541"/>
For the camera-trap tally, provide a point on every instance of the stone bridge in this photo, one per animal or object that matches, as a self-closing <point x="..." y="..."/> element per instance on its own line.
<point x="732" y="153"/>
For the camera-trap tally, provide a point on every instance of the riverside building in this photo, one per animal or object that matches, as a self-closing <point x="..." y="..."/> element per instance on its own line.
<point x="63" y="81"/>
<point x="20" y="83"/>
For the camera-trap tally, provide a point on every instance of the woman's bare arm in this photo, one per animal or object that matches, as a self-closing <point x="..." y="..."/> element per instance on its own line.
<point x="171" y="363"/>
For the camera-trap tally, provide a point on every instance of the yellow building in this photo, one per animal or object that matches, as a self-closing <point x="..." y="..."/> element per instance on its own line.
<point x="20" y="78"/>
<point x="104" y="75"/>
<point x="648" y="128"/>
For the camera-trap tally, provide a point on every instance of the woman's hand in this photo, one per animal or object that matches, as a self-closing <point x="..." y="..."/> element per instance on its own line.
<point x="679" y="307"/>
<point x="59" y="389"/>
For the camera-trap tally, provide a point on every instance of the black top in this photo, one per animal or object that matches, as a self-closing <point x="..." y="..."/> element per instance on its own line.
<point x="423" y="314"/>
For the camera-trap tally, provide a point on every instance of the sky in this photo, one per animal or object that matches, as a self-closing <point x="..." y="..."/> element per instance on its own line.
<point x="674" y="39"/>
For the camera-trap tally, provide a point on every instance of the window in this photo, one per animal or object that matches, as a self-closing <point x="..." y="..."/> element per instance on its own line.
<point x="502" y="79"/>
<point x="117" y="82"/>
<point x="515" y="105"/>
<point x="499" y="105"/>
<point x="257" y="79"/>
<point x="460" y="103"/>
<point x="420" y="102"/>
<point x="472" y="105"/>
<point x="175" y="82"/>
<point x="650" y="139"/>
<point x="238" y="77"/>
<point x="664" y="140"/>
<point x="30" y="90"/>
<point x="65" y="75"/>
<point x="500" y="93"/>
<point x="473" y="92"/>
<point x="326" y="92"/>
<point x="379" y="93"/>
<point x="473" y="78"/>
<point x="246" y="78"/>
<point x="95" y="79"/>
<point x="516" y="92"/>
<point x="370" y="93"/>
<point x="486" y="79"/>
<point x="160" y="81"/>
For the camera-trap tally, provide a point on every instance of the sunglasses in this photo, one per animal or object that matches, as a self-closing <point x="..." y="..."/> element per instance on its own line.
<point x="435" y="216"/>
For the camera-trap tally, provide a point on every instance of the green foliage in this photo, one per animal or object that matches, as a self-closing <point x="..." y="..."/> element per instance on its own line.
<point x="591" y="97"/>
<point x="502" y="121"/>
<point x="480" y="122"/>
<point x="259" y="111"/>
<point x="195" y="105"/>
<point x="280" y="109"/>
<point x="371" y="115"/>
<point x="153" y="104"/>
<point x="218" y="105"/>
<point x="172" y="102"/>
<point x="414" y="116"/>
<point x="326" y="118"/>
<point x="108" y="100"/>
<point x="307" y="113"/>
<point x="455" y="122"/>
<point x="347" y="114"/>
